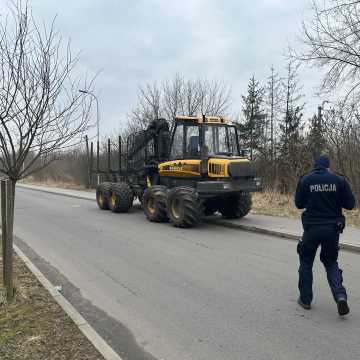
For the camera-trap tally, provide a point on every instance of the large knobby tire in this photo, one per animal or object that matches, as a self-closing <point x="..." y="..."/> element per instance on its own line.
<point x="236" y="206"/>
<point x="154" y="203"/>
<point x="121" y="198"/>
<point x="184" y="207"/>
<point x="103" y="193"/>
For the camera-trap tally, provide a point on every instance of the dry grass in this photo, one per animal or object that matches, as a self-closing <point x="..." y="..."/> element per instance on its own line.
<point x="34" y="327"/>
<point x="53" y="183"/>
<point x="276" y="204"/>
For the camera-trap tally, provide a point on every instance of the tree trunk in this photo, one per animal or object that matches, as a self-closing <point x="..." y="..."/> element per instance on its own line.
<point x="8" y="237"/>
<point x="3" y="225"/>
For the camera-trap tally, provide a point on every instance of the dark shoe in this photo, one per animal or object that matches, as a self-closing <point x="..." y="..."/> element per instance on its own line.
<point x="303" y="305"/>
<point x="343" y="307"/>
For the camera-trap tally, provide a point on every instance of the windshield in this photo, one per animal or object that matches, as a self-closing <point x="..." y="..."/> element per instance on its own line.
<point x="220" y="140"/>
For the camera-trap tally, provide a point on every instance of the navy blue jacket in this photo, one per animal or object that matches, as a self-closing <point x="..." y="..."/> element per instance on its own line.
<point x="323" y="194"/>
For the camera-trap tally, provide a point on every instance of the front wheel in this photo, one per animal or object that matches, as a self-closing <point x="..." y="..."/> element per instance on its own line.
<point x="184" y="207"/>
<point x="236" y="206"/>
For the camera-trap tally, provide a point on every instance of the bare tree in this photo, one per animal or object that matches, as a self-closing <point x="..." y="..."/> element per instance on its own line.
<point x="274" y="99"/>
<point x="214" y="97"/>
<point x="332" y="41"/>
<point x="148" y="107"/>
<point x="180" y="97"/>
<point x="173" y="99"/>
<point x="342" y="136"/>
<point x="41" y="110"/>
<point x="291" y="141"/>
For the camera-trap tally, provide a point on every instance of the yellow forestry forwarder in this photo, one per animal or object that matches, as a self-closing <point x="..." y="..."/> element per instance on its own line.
<point x="180" y="176"/>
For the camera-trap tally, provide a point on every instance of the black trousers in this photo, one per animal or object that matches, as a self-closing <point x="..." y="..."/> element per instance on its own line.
<point x="327" y="237"/>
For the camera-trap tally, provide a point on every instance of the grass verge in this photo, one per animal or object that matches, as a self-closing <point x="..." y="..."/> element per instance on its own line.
<point x="276" y="204"/>
<point x="34" y="326"/>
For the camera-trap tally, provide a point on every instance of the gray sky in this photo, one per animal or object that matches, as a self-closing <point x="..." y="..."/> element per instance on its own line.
<point x="136" y="42"/>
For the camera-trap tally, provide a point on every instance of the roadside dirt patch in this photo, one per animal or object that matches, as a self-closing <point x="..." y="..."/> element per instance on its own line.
<point x="34" y="327"/>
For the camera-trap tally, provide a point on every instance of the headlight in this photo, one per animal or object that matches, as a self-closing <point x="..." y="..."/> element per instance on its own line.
<point x="227" y="186"/>
<point x="257" y="181"/>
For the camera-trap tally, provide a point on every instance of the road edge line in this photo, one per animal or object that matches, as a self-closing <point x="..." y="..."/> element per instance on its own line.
<point x="90" y="333"/>
<point x="254" y="229"/>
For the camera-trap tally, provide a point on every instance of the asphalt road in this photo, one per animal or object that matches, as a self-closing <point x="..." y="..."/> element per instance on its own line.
<point x="208" y="293"/>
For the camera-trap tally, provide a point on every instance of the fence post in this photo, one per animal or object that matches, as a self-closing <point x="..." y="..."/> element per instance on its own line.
<point x="88" y="162"/>
<point x="3" y="225"/>
<point x="91" y="162"/>
<point x="97" y="161"/>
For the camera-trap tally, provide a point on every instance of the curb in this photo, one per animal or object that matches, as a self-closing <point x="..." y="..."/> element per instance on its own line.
<point x="343" y="245"/>
<point x="99" y="343"/>
<point x="253" y="229"/>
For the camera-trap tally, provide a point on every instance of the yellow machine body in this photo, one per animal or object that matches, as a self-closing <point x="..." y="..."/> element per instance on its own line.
<point x="217" y="168"/>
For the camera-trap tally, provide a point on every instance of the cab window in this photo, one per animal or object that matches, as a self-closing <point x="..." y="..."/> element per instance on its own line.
<point x="186" y="142"/>
<point x="192" y="141"/>
<point x="177" y="144"/>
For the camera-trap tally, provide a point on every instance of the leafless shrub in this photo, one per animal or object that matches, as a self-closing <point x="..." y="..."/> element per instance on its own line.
<point x="342" y="132"/>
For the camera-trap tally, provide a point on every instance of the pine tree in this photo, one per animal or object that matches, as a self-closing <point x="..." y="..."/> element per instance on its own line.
<point x="316" y="138"/>
<point x="253" y="125"/>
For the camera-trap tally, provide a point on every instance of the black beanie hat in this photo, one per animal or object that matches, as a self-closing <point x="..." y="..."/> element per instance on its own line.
<point x="322" y="161"/>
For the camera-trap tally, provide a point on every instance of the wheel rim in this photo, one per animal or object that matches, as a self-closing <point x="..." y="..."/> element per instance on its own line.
<point x="176" y="208"/>
<point x="151" y="205"/>
<point x="113" y="200"/>
<point x="101" y="199"/>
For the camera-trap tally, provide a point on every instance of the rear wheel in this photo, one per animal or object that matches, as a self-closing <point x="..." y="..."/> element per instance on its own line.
<point x="103" y="193"/>
<point x="184" y="207"/>
<point x="236" y="206"/>
<point x="154" y="203"/>
<point x="121" y="198"/>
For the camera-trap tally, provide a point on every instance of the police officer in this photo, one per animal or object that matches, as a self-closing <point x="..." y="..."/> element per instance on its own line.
<point x="322" y="194"/>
